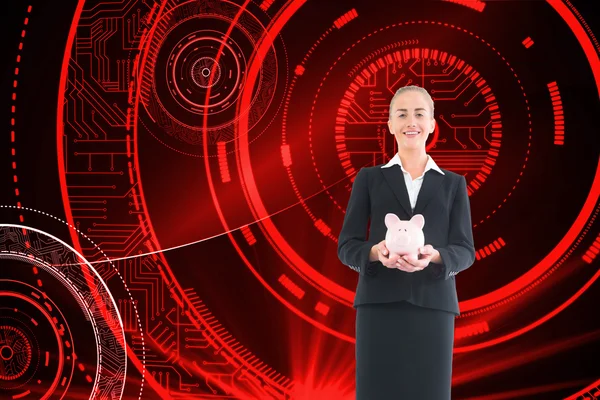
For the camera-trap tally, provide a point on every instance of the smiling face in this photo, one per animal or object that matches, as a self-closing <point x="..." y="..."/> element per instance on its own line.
<point x="411" y="120"/>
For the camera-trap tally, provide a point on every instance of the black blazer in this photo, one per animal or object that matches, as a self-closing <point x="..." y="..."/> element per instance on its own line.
<point x="443" y="201"/>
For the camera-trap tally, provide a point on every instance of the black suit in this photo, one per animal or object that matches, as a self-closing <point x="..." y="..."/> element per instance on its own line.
<point x="443" y="201"/>
<point x="405" y="321"/>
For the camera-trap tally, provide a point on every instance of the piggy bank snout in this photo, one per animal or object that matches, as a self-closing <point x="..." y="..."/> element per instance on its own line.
<point x="402" y="237"/>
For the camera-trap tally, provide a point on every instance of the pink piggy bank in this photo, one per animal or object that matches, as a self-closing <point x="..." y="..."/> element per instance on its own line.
<point x="404" y="237"/>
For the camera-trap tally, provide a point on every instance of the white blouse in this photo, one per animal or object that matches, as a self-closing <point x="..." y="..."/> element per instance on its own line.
<point x="413" y="186"/>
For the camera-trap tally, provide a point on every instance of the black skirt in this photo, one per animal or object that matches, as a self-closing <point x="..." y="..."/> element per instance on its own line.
<point x="403" y="352"/>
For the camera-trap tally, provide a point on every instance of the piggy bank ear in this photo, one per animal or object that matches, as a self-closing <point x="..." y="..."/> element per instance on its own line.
<point x="391" y="219"/>
<point x="418" y="220"/>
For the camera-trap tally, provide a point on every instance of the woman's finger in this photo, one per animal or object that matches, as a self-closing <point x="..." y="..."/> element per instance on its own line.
<point x="389" y="262"/>
<point x="403" y="268"/>
<point x="382" y="249"/>
<point x="411" y="263"/>
<point x="406" y="266"/>
<point x="420" y="264"/>
<point x="417" y="266"/>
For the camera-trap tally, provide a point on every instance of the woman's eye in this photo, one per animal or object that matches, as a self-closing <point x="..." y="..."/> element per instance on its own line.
<point x="419" y="115"/>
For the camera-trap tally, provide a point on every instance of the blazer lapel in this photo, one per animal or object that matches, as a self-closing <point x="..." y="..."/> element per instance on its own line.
<point x="432" y="181"/>
<point x="394" y="177"/>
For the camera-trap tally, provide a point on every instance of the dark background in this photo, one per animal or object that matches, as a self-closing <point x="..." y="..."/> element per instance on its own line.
<point x="555" y="375"/>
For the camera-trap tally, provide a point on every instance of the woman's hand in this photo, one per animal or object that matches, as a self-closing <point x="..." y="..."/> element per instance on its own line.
<point x="427" y="254"/>
<point x="380" y="252"/>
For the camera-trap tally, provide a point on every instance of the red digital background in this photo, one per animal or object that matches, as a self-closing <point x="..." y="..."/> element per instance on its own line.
<point x="175" y="176"/>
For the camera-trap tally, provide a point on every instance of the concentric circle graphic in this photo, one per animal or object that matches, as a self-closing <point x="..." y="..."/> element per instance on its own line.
<point x="42" y="360"/>
<point x="202" y="69"/>
<point x="15" y="353"/>
<point x="194" y="57"/>
<point x="41" y="342"/>
<point x="177" y="75"/>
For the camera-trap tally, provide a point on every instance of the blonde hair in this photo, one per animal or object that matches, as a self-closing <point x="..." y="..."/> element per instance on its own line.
<point x="412" y="88"/>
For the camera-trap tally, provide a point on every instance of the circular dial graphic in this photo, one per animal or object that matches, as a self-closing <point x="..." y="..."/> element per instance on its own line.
<point x="279" y="179"/>
<point x="58" y="323"/>
<point x="190" y="55"/>
<point x="15" y="353"/>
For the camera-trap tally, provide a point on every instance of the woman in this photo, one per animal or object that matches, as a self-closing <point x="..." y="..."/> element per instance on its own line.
<point x="405" y="311"/>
